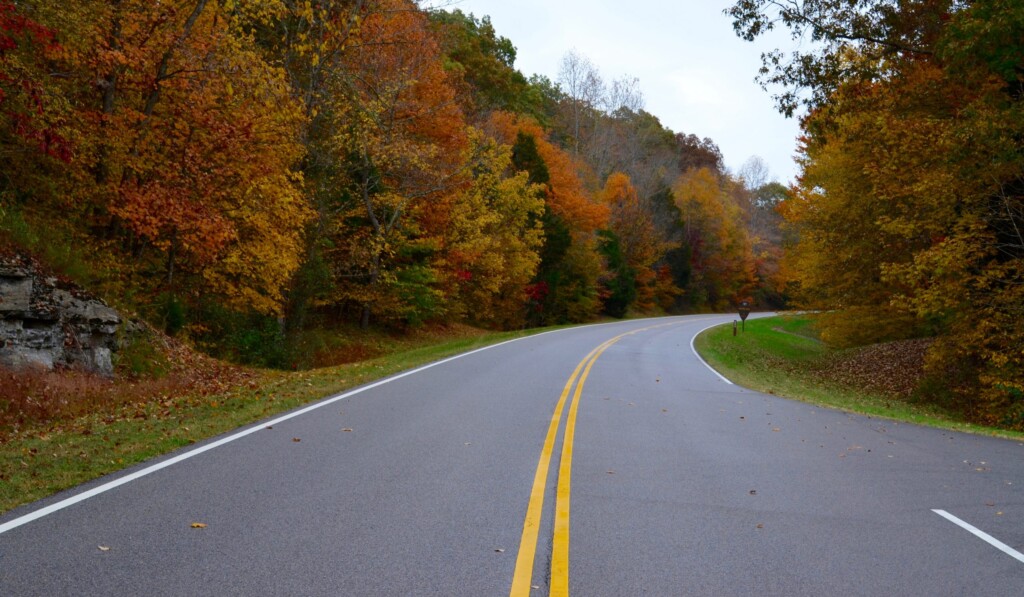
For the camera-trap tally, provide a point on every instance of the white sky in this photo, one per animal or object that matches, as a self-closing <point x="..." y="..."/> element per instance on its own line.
<point x="696" y="75"/>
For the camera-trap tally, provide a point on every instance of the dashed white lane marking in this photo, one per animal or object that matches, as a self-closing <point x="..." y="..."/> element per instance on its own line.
<point x="996" y="543"/>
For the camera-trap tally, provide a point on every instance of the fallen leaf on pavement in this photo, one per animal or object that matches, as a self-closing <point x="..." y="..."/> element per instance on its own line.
<point x="103" y="548"/>
<point x="198" y="525"/>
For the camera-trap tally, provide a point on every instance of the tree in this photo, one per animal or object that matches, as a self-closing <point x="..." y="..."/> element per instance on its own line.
<point x="620" y="284"/>
<point x="635" y="236"/>
<point x="493" y="238"/>
<point x="565" y="288"/>
<point x="31" y="111"/>
<point x="850" y="39"/>
<point x="402" y="140"/>
<point x="722" y="265"/>
<point x="696" y="153"/>
<point x="185" y="142"/>
<point x="910" y="154"/>
<point x="484" y="62"/>
<point x="584" y="89"/>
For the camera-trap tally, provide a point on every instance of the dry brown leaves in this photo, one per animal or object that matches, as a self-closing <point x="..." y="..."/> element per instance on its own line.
<point x="893" y="368"/>
<point x="35" y="397"/>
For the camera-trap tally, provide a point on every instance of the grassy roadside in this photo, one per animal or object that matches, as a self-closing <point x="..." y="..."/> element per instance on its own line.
<point x="41" y="460"/>
<point x="782" y="355"/>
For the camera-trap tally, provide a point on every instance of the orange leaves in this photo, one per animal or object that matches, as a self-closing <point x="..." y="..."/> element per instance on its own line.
<point x="397" y="90"/>
<point x="909" y="213"/>
<point x="567" y="197"/>
<point x="399" y="139"/>
<point x="634" y="227"/>
<point x="188" y="139"/>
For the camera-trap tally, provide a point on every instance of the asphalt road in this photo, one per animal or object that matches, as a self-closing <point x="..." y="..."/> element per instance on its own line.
<point x="681" y="484"/>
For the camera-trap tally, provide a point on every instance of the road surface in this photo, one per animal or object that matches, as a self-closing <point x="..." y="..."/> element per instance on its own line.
<point x="600" y="460"/>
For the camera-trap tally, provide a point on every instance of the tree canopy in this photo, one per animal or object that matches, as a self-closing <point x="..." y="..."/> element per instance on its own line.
<point x="910" y="206"/>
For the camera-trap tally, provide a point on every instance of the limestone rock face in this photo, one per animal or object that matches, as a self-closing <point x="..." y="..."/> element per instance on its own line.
<point x="47" y="323"/>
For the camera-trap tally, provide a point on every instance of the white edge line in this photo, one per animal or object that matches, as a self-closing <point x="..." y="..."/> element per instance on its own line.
<point x="27" y="518"/>
<point x="1013" y="553"/>
<point x="45" y="511"/>
<point x="699" y="358"/>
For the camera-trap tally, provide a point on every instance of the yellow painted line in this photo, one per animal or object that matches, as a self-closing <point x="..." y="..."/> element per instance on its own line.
<point x="523" y="574"/>
<point x="560" y="540"/>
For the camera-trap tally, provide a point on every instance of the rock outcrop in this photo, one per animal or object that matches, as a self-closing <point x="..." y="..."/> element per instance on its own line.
<point x="47" y="322"/>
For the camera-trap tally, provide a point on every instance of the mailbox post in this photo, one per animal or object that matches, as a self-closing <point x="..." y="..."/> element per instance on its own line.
<point x="744" y="311"/>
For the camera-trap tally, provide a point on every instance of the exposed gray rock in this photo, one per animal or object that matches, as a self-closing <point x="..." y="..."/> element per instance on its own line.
<point x="47" y="323"/>
<point x="15" y="294"/>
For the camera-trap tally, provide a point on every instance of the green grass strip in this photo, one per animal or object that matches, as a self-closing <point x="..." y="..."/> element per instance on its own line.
<point x="782" y="356"/>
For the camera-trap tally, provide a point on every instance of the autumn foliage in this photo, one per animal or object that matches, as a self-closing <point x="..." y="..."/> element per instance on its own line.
<point x="910" y="210"/>
<point x="243" y="172"/>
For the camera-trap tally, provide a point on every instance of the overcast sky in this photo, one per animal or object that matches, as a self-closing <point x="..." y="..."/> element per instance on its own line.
<point x="696" y="75"/>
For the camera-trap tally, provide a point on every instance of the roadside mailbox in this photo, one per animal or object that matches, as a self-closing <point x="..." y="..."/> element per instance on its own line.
<point x="744" y="311"/>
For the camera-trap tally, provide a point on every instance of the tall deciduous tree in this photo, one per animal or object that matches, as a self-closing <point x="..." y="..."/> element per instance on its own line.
<point x="720" y="253"/>
<point x="31" y="110"/>
<point x="402" y="139"/>
<point x="584" y="89"/>
<point x="494" y="237"/>
<point x="638" y="239"/>
<point x="566" y="285"/>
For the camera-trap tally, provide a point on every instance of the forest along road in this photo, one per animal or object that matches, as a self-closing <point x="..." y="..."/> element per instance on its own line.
<point x="433" y="483"/>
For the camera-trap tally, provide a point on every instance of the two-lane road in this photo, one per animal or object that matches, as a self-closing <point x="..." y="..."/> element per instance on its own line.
<point x="679" y="483"/>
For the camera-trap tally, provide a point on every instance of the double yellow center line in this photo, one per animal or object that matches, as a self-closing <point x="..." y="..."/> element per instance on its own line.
<point x="521" y="579"/>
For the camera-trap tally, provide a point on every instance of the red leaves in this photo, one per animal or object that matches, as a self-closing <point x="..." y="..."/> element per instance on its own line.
<point x="537" y="292"/>
<point x="14" y="25"/>
<point x="21" y="87"/>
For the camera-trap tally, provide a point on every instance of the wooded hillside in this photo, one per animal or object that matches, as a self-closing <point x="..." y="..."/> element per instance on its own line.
<point x="240" y="172"/>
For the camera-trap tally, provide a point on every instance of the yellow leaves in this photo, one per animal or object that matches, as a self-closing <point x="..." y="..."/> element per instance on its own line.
<point x="492" y="239"/>
<point x="198" y="525"/>
<point x="904" y="215"/>
<point x="722" y="253"/>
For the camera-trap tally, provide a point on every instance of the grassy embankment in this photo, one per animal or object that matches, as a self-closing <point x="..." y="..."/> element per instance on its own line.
<point x="783" y="356"/>
<point x="39" y="458"/>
